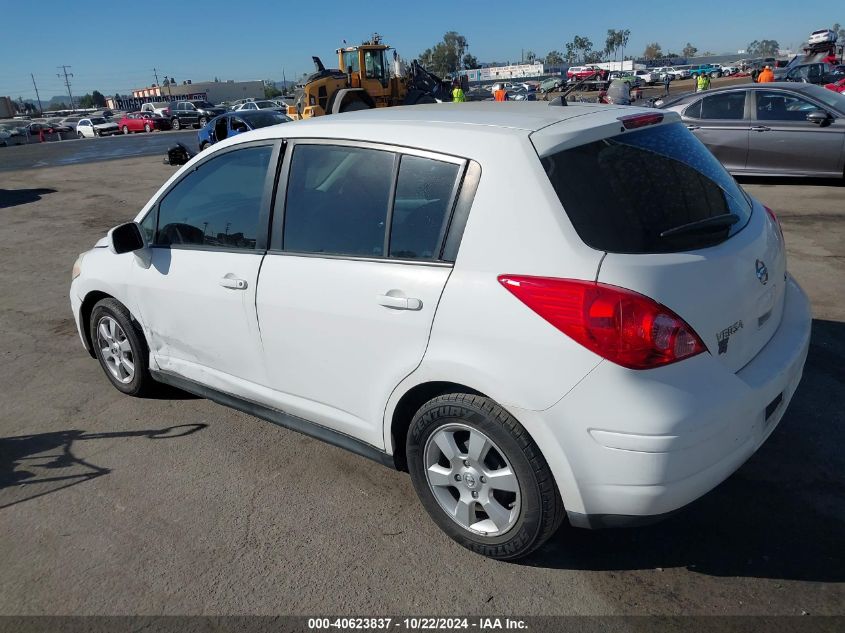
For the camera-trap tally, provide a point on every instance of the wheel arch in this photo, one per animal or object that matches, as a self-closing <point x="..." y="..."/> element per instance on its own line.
<point x="88" y="303"/>
<point x="339" y="97"/>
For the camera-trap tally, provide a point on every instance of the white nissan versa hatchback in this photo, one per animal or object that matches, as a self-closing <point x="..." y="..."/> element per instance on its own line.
<point x="505" y="299"/>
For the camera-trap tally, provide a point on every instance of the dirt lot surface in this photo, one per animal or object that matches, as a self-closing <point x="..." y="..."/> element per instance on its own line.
<point x="115" y="505"/>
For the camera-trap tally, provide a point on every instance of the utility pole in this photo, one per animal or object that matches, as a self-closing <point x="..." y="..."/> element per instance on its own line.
<point x="67" y="83"/>
<point x="40" y="109"/>
<point x="156" y="76"/>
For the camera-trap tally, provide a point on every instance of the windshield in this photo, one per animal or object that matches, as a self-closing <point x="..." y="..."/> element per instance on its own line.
<point x="263" y="119"/>
<point x="830" y="98"/>
<point x="202" y="104"/>
<point x="622" y="192"/>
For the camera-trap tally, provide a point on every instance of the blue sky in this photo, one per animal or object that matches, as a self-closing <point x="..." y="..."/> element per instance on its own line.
<point x="112" y="50"/>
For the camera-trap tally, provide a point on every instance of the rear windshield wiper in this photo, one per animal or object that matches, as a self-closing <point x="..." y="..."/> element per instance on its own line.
<point x="707" y="225"/>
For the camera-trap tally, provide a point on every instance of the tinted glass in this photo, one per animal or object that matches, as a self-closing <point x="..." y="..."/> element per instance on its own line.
<point x="729" y="105"/>
<point x="422" y="205"/>
<point x="263" y="119"/>
<point x="782" y="106"/>
<point x="337" y="200"/>
<point x="622" y="192"/>
<point x="219" y="204"/>
<point x="694" y="111"/>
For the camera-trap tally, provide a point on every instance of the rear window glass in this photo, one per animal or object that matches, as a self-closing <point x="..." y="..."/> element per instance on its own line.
<point x="622" y="192"/>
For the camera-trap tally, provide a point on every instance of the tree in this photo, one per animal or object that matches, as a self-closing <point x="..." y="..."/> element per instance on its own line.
<point x="444" y="58"/>
<point x="529" y="57"/>
<point x="554" y="58"/>
<point x="99" y="99"/>
<point x="270" y="90"/>
<point x="653" y="51"/>
<point x="839" y="30"/>
<point x="470" y="61"/>
<point x="216" y="80"/>
<point x="86" y="101"/>
<point x="690" y="50"/>
<point x="763" y="47"/>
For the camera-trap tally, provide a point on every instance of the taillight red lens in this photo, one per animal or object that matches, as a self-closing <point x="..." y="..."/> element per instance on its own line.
<point x="634" y="121"/>
<point x="620" y="325"/>
<point x="775" y="220"/>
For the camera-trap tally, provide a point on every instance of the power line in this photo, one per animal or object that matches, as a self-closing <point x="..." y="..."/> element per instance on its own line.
<point x="67" y="83"/>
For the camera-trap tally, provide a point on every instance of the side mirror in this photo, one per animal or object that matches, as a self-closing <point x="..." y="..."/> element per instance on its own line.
<point x="819" y="117"/>
<point x="125" y="238"/>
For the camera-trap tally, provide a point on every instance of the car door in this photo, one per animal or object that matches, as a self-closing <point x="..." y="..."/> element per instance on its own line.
<point x="348" y="291"/>
<point x="195" y="286"/>
<point x="85" y="128"/>
<point x="720" y="122"/>
<point x="783" y="141"/>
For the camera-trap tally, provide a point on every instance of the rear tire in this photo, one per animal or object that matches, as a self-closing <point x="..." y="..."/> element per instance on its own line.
<point x="353" y="105"/>
<point x="494" y="465"/>
<point x="125" y="130"/>
<point x="120" y="347"/>
<point x="203" y="121"/>
<point x="147" y="127"/>
<point x="174" y="123"/>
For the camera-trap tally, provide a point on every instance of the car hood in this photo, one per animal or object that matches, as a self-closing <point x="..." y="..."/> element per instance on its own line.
<point x="101" y="126"/>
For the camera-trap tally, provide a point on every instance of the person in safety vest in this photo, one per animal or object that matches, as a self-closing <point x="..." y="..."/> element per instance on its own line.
<point x="766" y="76"/>
<point x="458" y="95"/>
<point x="499" y="92"/>
<point x="703" y="82"/>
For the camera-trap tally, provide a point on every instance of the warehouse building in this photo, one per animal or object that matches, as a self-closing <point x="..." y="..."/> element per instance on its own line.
<point x="213" y="91"/>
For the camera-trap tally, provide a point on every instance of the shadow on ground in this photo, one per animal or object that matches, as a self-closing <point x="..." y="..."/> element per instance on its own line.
<point x="15" y="197"/>
<point x="782" y="515"/>
<point x="35" y="465"/>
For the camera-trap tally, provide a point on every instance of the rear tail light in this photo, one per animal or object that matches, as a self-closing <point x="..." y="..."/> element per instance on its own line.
<point x="620" y="325"/>
<point x="775" y="220"/>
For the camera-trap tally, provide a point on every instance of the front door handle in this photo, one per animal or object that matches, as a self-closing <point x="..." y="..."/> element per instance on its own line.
<point x="760" y="128"/>
<point x="400" y="303"/>
<point x="234" y="283"/>
<point x="693" y="127"/>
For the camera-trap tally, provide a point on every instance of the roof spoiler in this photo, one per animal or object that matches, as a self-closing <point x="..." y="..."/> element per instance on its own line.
<point x="557" y="101"/>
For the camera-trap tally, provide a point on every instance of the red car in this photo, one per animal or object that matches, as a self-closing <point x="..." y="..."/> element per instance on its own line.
<point x="142" y="122"/>
<point x="837" y="86"/>
<point x="582" y="72"/>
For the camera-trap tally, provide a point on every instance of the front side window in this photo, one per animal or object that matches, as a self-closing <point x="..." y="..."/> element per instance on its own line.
<point x="218" y="204"/>
<point x="337" y="200"/>
<point x="725" y="106"/>
<point x="374" y="62"/>
<point x="782" y="106"/>
<point x="421" y="208"/>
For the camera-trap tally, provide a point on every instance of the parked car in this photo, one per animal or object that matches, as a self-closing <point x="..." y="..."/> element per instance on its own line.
<point x="581" y="72"/>
<point x="837" y="86"/>
<point x="807" y="73"/>
<point x="683" y="72"/>
<point x="834" y="74"/>
<point x="551" y="85"/>
<point x="230" y="124"/>
<point x="521" y="94"/>
<point x="821" y="36"/>
<point x="773" y="129"/>
<point x="95" y="126"/>
<point x="705" y="69"/>
<point x="142" y="122"/>
<point x="71" y="121"/>
<point x="727" y="71"/>
<point x="610" y="366"/>
<point x="628" y="76"/>
<point x="12" y="133"/>
<point x="265" y="104"/>
<point x="156" y="107"/>
<point x="195" y="113"/>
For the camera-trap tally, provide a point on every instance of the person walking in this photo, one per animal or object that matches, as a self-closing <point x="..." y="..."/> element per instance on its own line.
<point x="499" y="92"/>
<point x="667" y="79"/>
<point x="458" y="95"/>
<point x="703" y="82"/>
<point x="766" y="76"/>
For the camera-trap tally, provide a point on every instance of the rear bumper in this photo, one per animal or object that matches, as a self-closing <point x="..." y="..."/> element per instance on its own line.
<point x="640" y="445"/>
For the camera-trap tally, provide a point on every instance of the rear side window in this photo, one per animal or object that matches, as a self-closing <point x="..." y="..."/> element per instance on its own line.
<point x="724" y="106"/>
<point x="422" y="205"/>
<point x="622" y="192"/>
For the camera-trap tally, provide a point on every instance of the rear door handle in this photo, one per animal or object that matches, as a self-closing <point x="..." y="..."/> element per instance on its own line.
<point x="760" y="128"/>
<point x="400" y="303"/>
<point x="693" y="127"/>
<point x="234" y="283"/>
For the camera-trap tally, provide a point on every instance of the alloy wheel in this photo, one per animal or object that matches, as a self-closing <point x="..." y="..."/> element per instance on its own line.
<point x="472" y="480"/>
<point x="115" y="349"/>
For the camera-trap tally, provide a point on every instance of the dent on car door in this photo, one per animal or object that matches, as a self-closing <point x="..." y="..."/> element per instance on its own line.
<point x="348" y="292"/>
<point x="196" y="284"/>
<point x="784" y="141"/>
<point x="720" y="121"/>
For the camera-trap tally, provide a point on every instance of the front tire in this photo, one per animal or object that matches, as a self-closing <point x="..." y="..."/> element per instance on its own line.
<point x="120" y="347"/>
<point x="147" y="128"/>
<point x="175" y="124"/>
<point x="125" y="130"/>
<point x="203" y="120"/>
<point x="481" y="477"/>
